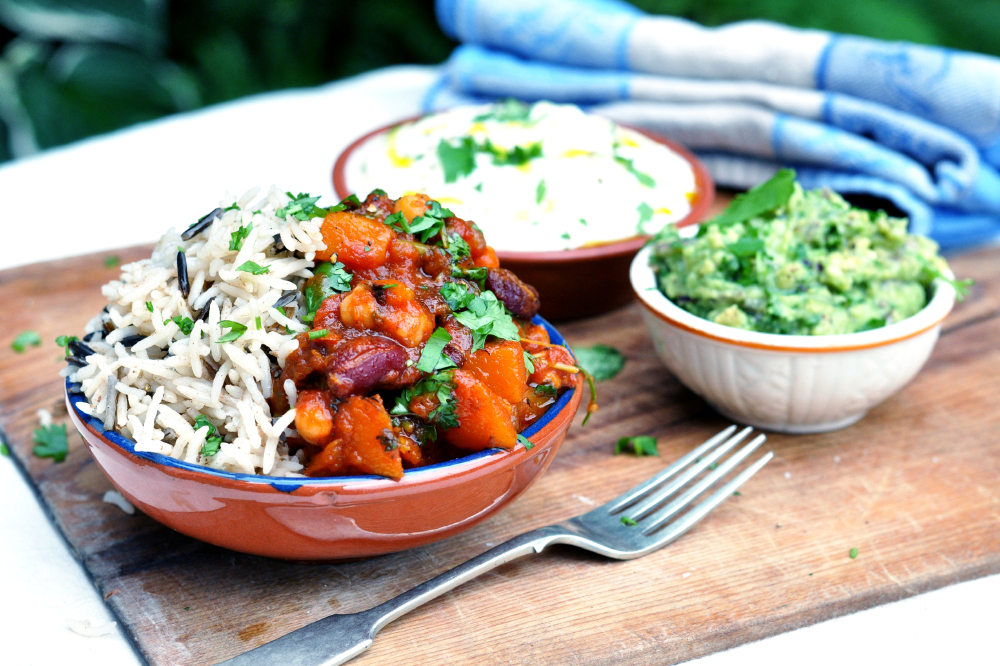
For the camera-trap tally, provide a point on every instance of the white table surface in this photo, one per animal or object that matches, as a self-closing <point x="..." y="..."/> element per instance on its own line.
<point x="125" y="188"/>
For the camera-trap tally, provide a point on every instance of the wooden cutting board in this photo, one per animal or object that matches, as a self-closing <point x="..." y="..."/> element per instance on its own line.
<point x="915" y="487"/>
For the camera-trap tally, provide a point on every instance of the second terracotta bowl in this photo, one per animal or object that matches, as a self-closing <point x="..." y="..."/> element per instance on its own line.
<point x="581" y="282"/>
<point x="328" y="518"/>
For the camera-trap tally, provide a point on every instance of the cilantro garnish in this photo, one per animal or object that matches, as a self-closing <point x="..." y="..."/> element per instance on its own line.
<point x="540" y="191"/>
<point x="529" y="362"/>
<point x="442" y="385"/>
<point x="515" y="156"/>
<point x="456" y="295"/>
<point x="302" y="207"/>
<point x="24" y="339"/>
<point x="601" y="361"/>
<point x="643" y="445"/>
<point x="457" y="247"/>
<point x="508" y="111"/>
<point x="111" y="261"/>
<point x="237" y="237"/>
<point x="432" y="357"/>
<point x="327" y="280"/>
<point x="149" y="305"/>
<point x="232" y="206"/>
<point x="4" y="451"/>
<point x="485" y="315"/>
<point x="546" y="389"/>
<point x="643" y="178"/>
<point x="431" y="223"/>
<point x="212" y="440"/>
<point x="258" y="322"/>
<point x="253" y="268"/>
<point x="628" y="522"/>
<point x="459" y="159"/>
<point x="645" y="215"/>
<point x="235" y="331"/>
<point x="318" y="333"/>
<point x="398" y="222"/>
<point x="185" y="324"/>
<point x="50" y="442"/>
<point x="525" y="441"/>
<point x="477" y="274"/>
<point x="764" y="198"/>
<point x="64" y="340"/>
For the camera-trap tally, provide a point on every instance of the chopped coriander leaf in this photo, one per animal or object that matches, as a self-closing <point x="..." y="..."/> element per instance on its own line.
<point x="327" y="280"/>
<point x="232" y="206"/>
<point x="601" y="361"/>
<point x="642" y="445"/>
<point x="398" y="222"/>
<point x="442" y="385"/>
<point x="853" y="553"/>
<point x="318" y="333"/>
<point x="50" y="442"/>
<point x="508" y="111"/>
<point x="565" y="235"/>
<point x="478" y="188"/>
<point x="111" y="261"/>
<point x="516" y="156"/>
<point x="213" y="439"/>
<point x="477" y="275"/>
<point x="456" y="295"/>
<point x="64" y="340"/>
<point x="713" y="465"/>
<point x="628" y="522"/>
<point x="303" y="207"/>
<point x="385" y="286"/>
<point x="431" y="223"/>
<point x="350" y="202"/>
<point x="211" y="446"/>
<point x="583" y="221"/>
<point x="258" y="322"/>
<point x="643" y="178"/>
<point x="237" y="237"/>
<point x="457" y="159"/>
<point x="4" y="451"/>
<point x="202" y="421"/>
<point x="486" y="315"/>
<point x="540" y="191"/>
<point x="764" y="198"/>
<point x="25" y="339"/>
<point x="432" y="357"/>
<point x="235" y="330"/>
<point x="737" y="493"/>
<point x="149" y="305"/>
<point x="253" y="268"/>
<point x="529" y="364"/>
<point x="525" y="442"/>
<point x="645" y="215"/>
<point x="457" y="247"/>
<point x="546" y="389"/>
<point x="185" y="324"/>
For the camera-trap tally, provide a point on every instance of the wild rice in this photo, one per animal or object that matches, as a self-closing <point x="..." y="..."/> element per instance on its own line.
<point x="142" y="374"/>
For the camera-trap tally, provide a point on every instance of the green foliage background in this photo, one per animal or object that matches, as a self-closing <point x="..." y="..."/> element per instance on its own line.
<point x="70" y="69"/>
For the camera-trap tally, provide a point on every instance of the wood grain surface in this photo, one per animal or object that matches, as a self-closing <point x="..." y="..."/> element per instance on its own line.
<point x="915" y="487"/>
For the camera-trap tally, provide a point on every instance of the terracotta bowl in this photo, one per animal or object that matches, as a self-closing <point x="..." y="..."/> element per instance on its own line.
<point x="329" y="518"/>
<point x="581" y="282"/>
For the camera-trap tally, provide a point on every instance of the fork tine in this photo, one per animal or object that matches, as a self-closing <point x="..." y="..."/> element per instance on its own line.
<point x="631" y="496"/>
<point x="692" y="517"/>
<point x="669" y="511"/>
<point x="651" y="502"/>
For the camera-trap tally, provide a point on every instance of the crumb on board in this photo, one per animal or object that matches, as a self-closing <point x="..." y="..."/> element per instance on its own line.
<point x="116" y="498"/>
<point x="91" y="629"/>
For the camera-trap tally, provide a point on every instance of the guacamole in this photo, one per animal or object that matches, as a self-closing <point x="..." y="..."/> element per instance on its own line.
<point x="812" y="265"/>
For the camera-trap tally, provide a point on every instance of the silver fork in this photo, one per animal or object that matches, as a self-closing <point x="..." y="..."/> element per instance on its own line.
<point x="632" y="525"/>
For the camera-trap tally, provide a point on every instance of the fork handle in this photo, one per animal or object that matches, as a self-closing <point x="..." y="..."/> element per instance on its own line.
<point x="339" y="638"/>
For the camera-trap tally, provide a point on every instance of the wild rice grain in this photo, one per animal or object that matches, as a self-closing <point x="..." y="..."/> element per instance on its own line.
<point x="182" y="274"/>
<point x="200" y="225"/>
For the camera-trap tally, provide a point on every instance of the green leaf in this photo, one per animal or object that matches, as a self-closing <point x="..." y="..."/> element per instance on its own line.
<point x="540" y="191"/>
<point x="486" y="316"/>
<point x="4" y="451"/>
<point x="25" y="339"/>
<point x="508" y="111"/>
<point x="516" y="156"/>
<point x="443" y="386"/>
<point x="525" y="442"/>
<point x="601" y="361"/>
<point x="641" y="445"/>
<point x="478" y="274"/>
<point x="628" y="522"/>
<point x="318" y="333"/>
<point x="235" y="331"/>
<point x="765" y="198"/>
<point x="456" y="295"/>
<point x="529" y="362"/>
<point x="645" y="215"/>
<point x="457" y="159"/>
<point x="212" y="439"/>
<point x="643" y="178"/>
<point x="50" y="442"/>
<point x="111" y="261"/>
<point x="398" y="222"/>
<point x="546" y="389"/>
<point x="432" y="357"/>
<point x="149" y="305"/>
<point x="303" y="206"/>
<point x="746" y="247"/>
<point x="185" y="324"/>
<point x="237" y="237"/>
<point x="327" y="280"/>
<point x="253" y="268"/>
<point x="853" y="553"/>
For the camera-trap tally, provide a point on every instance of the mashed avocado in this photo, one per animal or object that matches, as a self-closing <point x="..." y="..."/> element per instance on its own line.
<point x="811" y="265"/>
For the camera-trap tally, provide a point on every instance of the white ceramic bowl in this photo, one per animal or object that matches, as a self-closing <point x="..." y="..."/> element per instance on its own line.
<point x="788" y="383"/>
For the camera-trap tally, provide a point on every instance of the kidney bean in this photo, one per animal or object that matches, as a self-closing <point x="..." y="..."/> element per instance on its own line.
<point x="519" y="297"/>
<point x="357" y="365"/>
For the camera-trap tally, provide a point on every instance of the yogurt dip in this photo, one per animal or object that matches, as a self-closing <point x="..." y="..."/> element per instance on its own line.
<point x="535" y="178"/>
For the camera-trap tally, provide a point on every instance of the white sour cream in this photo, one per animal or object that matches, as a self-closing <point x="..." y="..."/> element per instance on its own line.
<point x="594" y="181"/>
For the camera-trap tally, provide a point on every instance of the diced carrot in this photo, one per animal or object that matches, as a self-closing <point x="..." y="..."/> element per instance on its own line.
<point x="313" y="418"/>
<point x="500" y="366"/>
<point x="486" y="259"/>
<point x="364" y="426"/>
<point x="411" y="205"/>
<point x="328" y="462"/>
<point x="358" y="241"/>
<point x="484" y="417"/>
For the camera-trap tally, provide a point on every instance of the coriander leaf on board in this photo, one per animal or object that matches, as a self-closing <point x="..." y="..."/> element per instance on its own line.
<point x="601" y="361"/>
<point x="641" y="445"/>
<point x="50" y="442"/>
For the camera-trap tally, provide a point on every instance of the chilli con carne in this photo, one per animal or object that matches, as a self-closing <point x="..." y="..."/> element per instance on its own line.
<point x="421" y="347"/>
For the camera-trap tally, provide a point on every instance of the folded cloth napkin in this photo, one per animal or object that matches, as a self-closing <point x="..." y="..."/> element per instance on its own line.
<point x="916" y="125"/>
